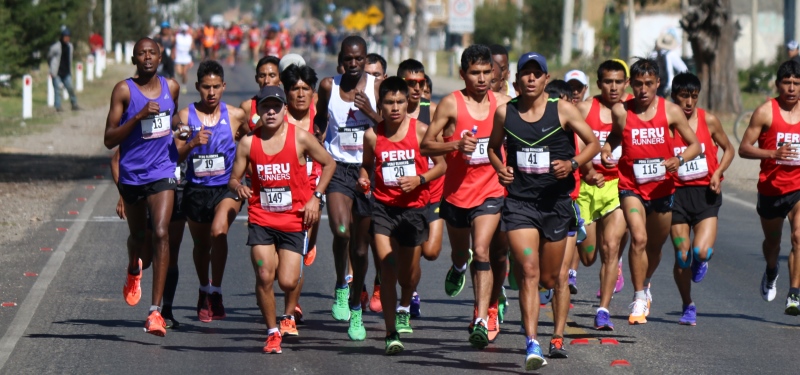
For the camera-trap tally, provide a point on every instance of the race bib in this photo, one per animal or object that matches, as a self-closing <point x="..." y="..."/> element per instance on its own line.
<point x="156" y="125"/>
<point x="616" y="154"/>
<point x="309" y="165"/>
<point x="693" y="169"/>
<point x="430" y="163"/>
<point x="208" y="165"/>
<point x="276" y="199"/>
<point x="533" y="160"/>
<point x="352" y="138"/>
<point x="481" y="153"/>
<point x="649" y="170"/>
<point x="791" y="162"/>
<point x="393" y="170"/>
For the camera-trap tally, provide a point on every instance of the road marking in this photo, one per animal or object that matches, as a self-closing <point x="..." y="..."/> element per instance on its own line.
<point x="28" y="307"/>
<point x="734" y="199"/>
<point x="116" y="219"/>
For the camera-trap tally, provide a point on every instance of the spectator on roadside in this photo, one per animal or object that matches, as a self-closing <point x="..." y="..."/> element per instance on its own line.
<point x="166" y="41"/>
<point x="96" y="42"/>
<point x="669" y="62"/>
<point x="793" y="50"/>
<point x="60" y="60"/>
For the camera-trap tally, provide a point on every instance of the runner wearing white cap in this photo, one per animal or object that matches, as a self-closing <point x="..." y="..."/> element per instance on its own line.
<point x="579" y="83"/>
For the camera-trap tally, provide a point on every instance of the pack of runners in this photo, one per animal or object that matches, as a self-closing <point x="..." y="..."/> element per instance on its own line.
<point x="522" y="171"/>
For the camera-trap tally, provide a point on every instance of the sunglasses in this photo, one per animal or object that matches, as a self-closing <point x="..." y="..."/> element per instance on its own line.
<point x="414" y="82"/>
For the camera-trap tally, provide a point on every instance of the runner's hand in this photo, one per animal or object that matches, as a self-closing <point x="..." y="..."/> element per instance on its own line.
<point x="506" y="176"/>
<point x="594" y="178"/>
<point x="716" y="183"/>
<point x="467" y="143"/>
<point x="363" y="185"/>
<point x="606" y="157"/>
<point x="408" y="184"/>
<point x="785" y="152"/>
<point x="201" y="138"/>
<point x="243" y="192"/>
<point x="672" y="164"/>
<point x="152" y="108"/>
<point x="561" y="168"/>
<point x="361" y="102"/>
<point x="184" y="131"/>
<point x="121" y="209"/>
<point x="310" y="212"/>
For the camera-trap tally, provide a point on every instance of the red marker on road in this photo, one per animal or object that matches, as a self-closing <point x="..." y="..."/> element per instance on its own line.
<point x="30" y="274"/>
<point x="620" y="362"/>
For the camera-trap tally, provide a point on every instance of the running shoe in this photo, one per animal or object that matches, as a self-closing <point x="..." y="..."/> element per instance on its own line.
<point x="620" y="279"/>
<point x="494" y="323"/>
<point x="203" y="308"/>
<point x="557" y="348"/>
<point x="393" y="344"/>
<point x="217" y="309"/>
<point x="602" y="321"/>
<point x="454" y="282"/>
<point x="501" y="306"/>
<point x="310" y="256"/>
<point x="132" y="290"/>
<point x="356" y="331"/>
<point x="402" y="322"/>
<point x="638" y="312"/>
<point x="649" y="299"/>
<point x="689" y="317"/>
<point x="364" y="298"/>
<point x="479" y="338"/>
<point x="416" y="310"/>
<point x="287" y="326"/>
<point x="474" y="317"/>
<point x="340" y="310"/>
<point x="298" y="314"/>
<point x="273" y="343"/>
<point x="155" y="324"/>
<point x="375" y="300"/>
<point x="545" y="295"/>
<point x="699" y="269"/>
<point x="169" y="319"/>
<point x="573" y="281"/>
<point x="793" y="304"/>
<point x="768" y="287"/>
<point x="534" y="359"/>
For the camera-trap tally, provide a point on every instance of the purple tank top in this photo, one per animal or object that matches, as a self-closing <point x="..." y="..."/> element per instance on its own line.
<point x="148" y="154"/>
<point x="211" y="164"/>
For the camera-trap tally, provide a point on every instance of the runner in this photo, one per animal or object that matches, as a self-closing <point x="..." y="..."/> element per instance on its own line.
<point x="579" y="83"/>
<point x="254" y="40"/>
<point x="472" y="197"/>
<point x="183" y="55"/>
<point x="376" y="66"/>
<point x="642" y="126"/>
<point x="209" y="206"/>
<point x="349" y="101"/>
<point x="402" y="196"/>
<point x="234" y="38"/>
<point x="300" y="81"/>
<point x="500" y="57"/>
<point x="539" y="177"/>
<point x="426" y="93"/>
<point x="272" y="44"/>
<point x="267" y="74"/>
<point x="139" y="123"/>
<point x="209" y="39"/>
<point x="772" y="125"/>
<point x="283" y="206"/>
<point x="698" y="193"/>
<point x="599" y="193"/>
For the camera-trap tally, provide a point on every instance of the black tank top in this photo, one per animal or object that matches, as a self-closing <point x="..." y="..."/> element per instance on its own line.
<point x="531" y="149"/>
<point x="424" y="111"/>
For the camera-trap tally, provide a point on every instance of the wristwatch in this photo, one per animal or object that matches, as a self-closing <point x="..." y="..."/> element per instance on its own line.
<point x="318" y="195"/>
<point x="422" y="180"/>
<point x="575" y="164"/>
<point x="680" y="159"/>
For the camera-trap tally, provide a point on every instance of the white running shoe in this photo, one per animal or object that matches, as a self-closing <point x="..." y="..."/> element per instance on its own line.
<point x="768" y="289"/>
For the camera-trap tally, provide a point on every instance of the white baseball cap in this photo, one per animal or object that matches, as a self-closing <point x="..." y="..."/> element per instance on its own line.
<point x="577" y="75"/>
<point x="290" y="59"/>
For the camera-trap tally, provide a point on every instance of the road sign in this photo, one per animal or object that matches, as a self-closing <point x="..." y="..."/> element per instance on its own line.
<point x="356" y="21"/>
<point x="374" y="15"/>
<point x="461" y="18"/>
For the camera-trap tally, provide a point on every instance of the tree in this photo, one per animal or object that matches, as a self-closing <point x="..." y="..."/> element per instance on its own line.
<point x="712" y="31"/>
<point x="495" y="22"/>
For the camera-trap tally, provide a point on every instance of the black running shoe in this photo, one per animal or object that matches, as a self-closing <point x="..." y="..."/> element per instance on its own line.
<point x="557" y="348"/>
<point x="166" y="313"/>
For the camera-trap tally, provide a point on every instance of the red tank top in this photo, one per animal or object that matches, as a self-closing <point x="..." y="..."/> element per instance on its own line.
<point x="468" y="183"/>
<point x="576" y="174"/>
<point x="436" y="186"/>
<point x="313" y="169"/>
<point x="397" y="159"/>
<point x="601" y="130"/>
<point x="645" y="145"/>
<point x="273" y="48"/>
<point x="281" y="187"/>
<point x="697" y="172"/>
<point x="779" y="177"/>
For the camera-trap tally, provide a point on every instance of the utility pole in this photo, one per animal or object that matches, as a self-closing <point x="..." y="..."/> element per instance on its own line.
<point x="107" y="24"/>
<point x="566" y="31"/>
<point x="753" y="33"/>
<point x="631" y="21"/>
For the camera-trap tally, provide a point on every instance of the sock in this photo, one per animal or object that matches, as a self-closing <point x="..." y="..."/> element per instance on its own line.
<point x="599" y="309"/>
<point x="138" y="271"/>
<point x="772" y="273"/>
<point x="795" y="291"/>
<point x="155" y="308"/>
<point x="531" y="339"/>
<point x="639" y="295"/>
<point x="170" y="285"/>
<point x="691" y="304"/>
<point x="647" y="283"/>
<point x="573" y="273"/>
<point x="357" y="307"/>
<point x="405" y="309"/>
<point x="272" y="330"/>
<point x="478" y="320"/>
<point x="343" y="286"/>
<point x="205" y="288"/>
<point x="214" y="289"/>
<point x="461" y="269"/>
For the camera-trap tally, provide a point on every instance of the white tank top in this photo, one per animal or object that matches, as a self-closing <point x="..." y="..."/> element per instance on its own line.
<point x="344" y="137"/>
<point x="183" y="48"/>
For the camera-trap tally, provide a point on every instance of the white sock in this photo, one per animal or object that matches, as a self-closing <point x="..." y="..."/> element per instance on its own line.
<point x="214" y="289"/>
<point x="599" y="309"/>
<point x="406" y="309"/>
<point x="272" y="330"/>
<point x="478" y="320"/>
<point x="155" y="308"/>
<point x="573" y="273"/>
<point x="205" y="288"/>
<point x="461" y="269"/>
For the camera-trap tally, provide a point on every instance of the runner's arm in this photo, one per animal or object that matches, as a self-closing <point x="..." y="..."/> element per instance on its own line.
<point x="318" y="154"/>
<point x="239" y="126"/>
<point x="759" y="123"/>
<point x="323" y="97"/>
<point x="115" y="176"/>
<point x="677" y="119"/>
<point x="505" y="173"/>
<point x="184" y="147"/>
<point x="721" y="139"/>
<point x="574" y="120"/>
<point x="444" y="116"/>
<point x="115" y="133"/>
<point x="619" y="115"/>
<point x="439" y="164"/>
<point x="239" y="166"/>
<point x="368" y="157"/>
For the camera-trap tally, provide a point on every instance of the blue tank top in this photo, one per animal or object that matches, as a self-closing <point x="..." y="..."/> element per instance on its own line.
<point x="211" y="164"/>
<point x="148" y="154"/>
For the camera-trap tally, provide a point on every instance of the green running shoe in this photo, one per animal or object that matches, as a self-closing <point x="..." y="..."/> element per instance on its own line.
<point x="340" y="310"/>
<point x="501" y="305"/>
<point x="357" y="332"/>
<point x="393" y="344"/>
<point x="402" y="322"/>
<point x="454" y="282"/>
<point x="479" y="338"/>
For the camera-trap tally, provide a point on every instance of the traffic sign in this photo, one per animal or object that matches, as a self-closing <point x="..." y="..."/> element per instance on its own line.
<point x="374" y="15"/>
<point x="461" y="17"/>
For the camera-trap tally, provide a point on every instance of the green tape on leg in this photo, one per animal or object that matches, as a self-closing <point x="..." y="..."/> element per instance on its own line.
<point x="590" y="249"/>
<point x="634" y="211"/>
<point x="677" y="241"/>
<point x="260" y="262"/>
<point x="528" y="251"/>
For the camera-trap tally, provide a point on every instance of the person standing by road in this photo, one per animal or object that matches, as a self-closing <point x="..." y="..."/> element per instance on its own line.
<point x="60" y="60"/>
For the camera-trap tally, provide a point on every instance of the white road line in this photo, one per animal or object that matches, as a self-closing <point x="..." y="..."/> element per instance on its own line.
<point x="116" y="219"/>
<point x="734" y="199"/>
<point x="28" y="307"/>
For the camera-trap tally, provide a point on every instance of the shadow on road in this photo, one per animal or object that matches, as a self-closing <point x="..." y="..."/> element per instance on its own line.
<point x="32" y="168"/>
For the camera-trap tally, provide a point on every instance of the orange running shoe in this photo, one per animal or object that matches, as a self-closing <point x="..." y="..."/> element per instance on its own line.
<point x="375" y="301"/>
<point x="310" y="256"/>
<point x="132" y="291"/>
<point x="364" y="299"/>
<point x="288" y="326"/>
<point x="298" y="314"/>
<point x="494" y="323"/>
<point x="155" y="324"/>
<point x="638" y="312"/>
<point x="273" y="343"/>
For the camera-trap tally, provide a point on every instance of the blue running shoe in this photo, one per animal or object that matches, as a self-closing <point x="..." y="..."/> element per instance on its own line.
<point x="534" y="359"/>
<point x="602" y="321"/>
<point x="573" y="282"/>
<point x="699" y="269"/>
<point x="416" y="311"/>
<point x="689" y="317"/>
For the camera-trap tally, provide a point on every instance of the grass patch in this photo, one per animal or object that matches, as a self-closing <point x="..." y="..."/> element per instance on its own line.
<point x="95" y="94"/>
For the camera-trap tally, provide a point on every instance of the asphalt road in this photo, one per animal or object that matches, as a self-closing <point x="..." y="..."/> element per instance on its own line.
<point x="71" y="317"/>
